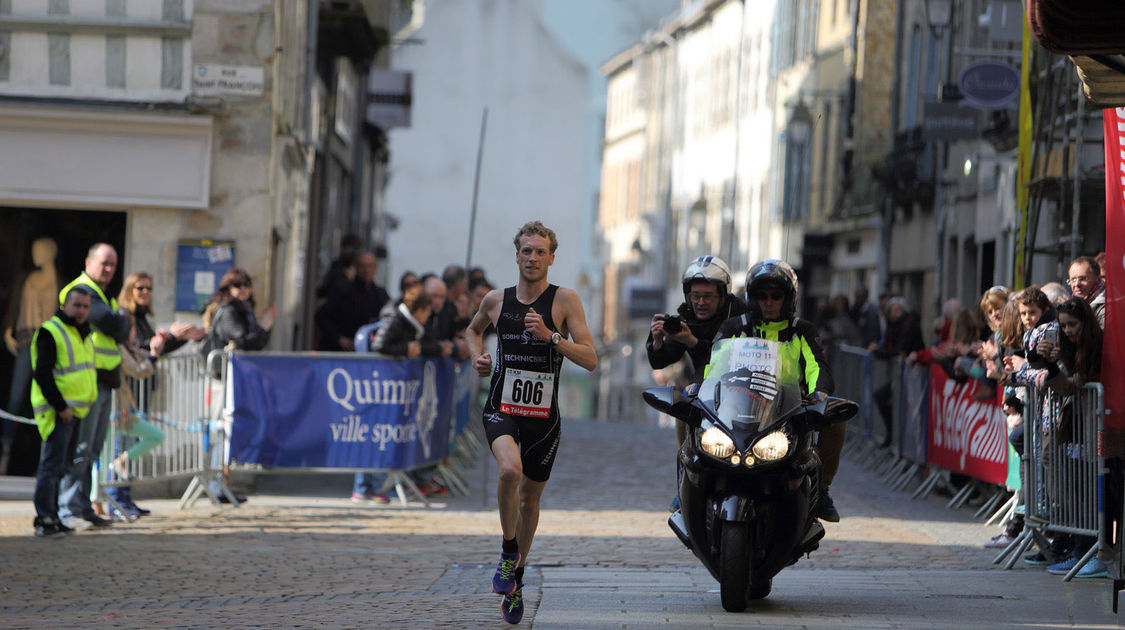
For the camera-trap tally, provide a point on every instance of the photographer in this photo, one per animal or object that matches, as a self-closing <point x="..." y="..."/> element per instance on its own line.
<point x="708" y="302"/>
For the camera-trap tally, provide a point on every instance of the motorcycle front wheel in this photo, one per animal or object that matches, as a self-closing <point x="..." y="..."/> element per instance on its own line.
<point x="734" y="566"/>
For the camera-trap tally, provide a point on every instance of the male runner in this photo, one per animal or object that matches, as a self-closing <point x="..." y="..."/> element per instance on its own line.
<point x="537" y="324"/>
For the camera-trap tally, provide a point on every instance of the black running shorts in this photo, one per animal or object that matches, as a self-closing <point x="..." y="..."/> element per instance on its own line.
<point x="538" y="439"/>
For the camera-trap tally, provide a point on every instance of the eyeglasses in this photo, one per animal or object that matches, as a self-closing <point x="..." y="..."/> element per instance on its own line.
<point x="1074" y="281"/>
<point x="238" y="285"/>
<point x="140" y="288"/>
<point x="703" y="297"/>
<point x="768" y="295"/>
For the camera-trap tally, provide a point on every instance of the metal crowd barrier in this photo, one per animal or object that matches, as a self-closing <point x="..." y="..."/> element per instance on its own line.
<point x="1064" y="471"/>
<point x="174" y="399"/>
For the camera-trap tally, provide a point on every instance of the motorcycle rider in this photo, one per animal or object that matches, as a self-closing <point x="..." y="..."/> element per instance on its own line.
<point x="708" y="302"/>
<point x="771" y="294"/>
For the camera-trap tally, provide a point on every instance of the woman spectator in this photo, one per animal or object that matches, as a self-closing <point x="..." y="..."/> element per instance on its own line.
<point x="233" y="321"/>
<point x="135" y="300"/>
<point x="232" y="324"/>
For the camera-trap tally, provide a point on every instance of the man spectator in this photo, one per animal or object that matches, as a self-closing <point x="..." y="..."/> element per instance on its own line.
<point x="108" y="328"/>
<point x="342" y="270"/>
<point x="63" y="388"/>
<point x="358" y="303"/>
<point x="446" y="324"/>
<point x="903" y="336"/>
<point x="1085" y="280"/>
<point x="866" y="316"/>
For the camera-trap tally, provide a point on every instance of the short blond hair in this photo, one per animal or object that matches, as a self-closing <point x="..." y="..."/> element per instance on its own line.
<point x="536" y="228"/>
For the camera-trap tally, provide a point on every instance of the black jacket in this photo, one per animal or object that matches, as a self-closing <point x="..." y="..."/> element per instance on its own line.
<point x="235" y="321"/>
<point x="901" y="338"/>
<point x="346" y="310"/>
<point x="398" y="330"/>
<point x="671" y="351"/>
<point x="145" y="332"/>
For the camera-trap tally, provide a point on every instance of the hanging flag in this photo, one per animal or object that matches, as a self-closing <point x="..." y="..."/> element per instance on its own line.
<point x="1113" y="344"/>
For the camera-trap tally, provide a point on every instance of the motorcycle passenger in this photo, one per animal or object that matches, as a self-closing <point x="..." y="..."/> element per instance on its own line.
<point x="708" y="302"/>
<point x="771" y="293"/>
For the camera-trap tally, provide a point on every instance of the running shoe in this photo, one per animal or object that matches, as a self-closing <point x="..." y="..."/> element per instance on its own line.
<point x="504" y="581"/>
<point x="1064" y="567"/>
<point x="1093" y="569"/>
<point x="512" y="606"/>
<point x="999" y="541"/>
<point x="1036" y="559"/>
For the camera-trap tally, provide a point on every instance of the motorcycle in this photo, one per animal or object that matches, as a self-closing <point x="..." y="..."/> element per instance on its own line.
<point x="750" y="479"/>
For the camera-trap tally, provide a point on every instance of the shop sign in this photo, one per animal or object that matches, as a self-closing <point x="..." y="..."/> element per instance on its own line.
<point x="989" y="85"/>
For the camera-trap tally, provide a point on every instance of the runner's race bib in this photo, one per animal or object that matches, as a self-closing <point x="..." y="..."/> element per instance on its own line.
<point x="527" y="393"/>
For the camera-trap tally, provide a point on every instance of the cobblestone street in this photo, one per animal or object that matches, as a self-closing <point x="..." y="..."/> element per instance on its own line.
<point x="301" y="555"/>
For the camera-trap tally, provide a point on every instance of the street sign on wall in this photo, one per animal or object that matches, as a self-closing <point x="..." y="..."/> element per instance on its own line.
<point x="213" y="79"/>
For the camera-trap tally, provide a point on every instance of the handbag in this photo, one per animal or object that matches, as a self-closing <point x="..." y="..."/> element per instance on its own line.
<point x="134" y="366"/>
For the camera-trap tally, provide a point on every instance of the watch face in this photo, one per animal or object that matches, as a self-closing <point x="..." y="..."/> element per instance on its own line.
<point x="556" y="338"/>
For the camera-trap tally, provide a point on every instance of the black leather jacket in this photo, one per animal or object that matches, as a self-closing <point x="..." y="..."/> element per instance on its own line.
<point x="671" y="351"/>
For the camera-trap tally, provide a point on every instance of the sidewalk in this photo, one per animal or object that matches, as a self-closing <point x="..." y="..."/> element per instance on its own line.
<point x="603" y="558"/>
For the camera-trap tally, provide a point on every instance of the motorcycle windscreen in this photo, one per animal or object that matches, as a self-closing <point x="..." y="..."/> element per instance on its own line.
<point x="747" y="399"/>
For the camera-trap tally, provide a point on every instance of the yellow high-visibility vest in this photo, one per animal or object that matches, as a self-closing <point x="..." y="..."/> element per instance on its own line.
<point x="106" y="354"/>
<point x="74" y="371"/>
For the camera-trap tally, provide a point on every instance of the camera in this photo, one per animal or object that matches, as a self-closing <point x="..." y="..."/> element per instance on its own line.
<point x="673" y="324"/>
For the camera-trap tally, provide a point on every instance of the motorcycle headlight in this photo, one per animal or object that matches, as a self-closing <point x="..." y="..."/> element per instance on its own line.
<point x="772" y="447"/>
<point x="716" y="443"/>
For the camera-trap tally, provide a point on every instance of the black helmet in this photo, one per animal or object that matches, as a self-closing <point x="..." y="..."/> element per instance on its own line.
<point x="708" y="269"/>
<point x="775" y="274"/>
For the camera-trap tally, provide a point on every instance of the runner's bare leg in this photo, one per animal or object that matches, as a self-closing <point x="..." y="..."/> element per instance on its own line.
<point x="510" y="474"/>
<point x="529" y="495"/>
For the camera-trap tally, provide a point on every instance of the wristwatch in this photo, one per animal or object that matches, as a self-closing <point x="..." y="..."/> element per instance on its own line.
<point x="556" y="337"/>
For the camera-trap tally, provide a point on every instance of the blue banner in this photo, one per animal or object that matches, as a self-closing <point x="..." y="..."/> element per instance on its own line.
<point x="341" y="412"/>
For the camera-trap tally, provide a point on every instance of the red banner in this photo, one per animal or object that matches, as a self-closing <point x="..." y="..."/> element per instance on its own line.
<point x="1113" y="346"/>
<point x="967" y="436"/>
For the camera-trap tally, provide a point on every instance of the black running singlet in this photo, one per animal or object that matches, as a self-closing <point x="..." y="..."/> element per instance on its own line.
<point x="525" y="374"/>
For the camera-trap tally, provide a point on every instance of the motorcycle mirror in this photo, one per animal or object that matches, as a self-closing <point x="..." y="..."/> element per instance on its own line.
<point x="671" y="401"/>
<point x="838" y="410"/>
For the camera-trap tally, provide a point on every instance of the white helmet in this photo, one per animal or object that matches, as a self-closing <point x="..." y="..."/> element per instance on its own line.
<point x="709" y="269"/>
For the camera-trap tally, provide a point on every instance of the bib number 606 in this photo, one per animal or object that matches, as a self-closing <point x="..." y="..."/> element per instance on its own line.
<point x="527" y="392"/>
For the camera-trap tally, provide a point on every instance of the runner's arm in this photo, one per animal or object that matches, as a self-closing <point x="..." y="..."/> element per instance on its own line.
<point x="475" y="332"/>
<point x="580" y="347"/>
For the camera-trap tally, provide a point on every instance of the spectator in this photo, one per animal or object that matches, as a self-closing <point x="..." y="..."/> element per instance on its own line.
<point x="1056" y="293"/>
<point x="1037" y="323"/>
<point x="135" y="301"/>
<point x="233" y="325"/>
<point x="63" y="390"/>
<point x="837" y="326"/>
<point x="108" y="329"/>
<point x="403" y="334"/>
<point x="902" y="336"/>
<point x="1085" y="280"/>
<point x="408" y="283"/>
<point x="867" y="318"/>
<point x="1079" y="352"/>
<point x="342" y="270"/>
<point x="1013" y="410"/>
<point x="352" y="306"/>
<point x="233" y="321"/>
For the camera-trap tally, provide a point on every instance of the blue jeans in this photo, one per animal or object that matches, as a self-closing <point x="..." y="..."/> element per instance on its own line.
<point x="368" y="483"/>
<point x="55" y="459"/>
<point x="18" y="393"/>
<point x="74" y="491"/>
